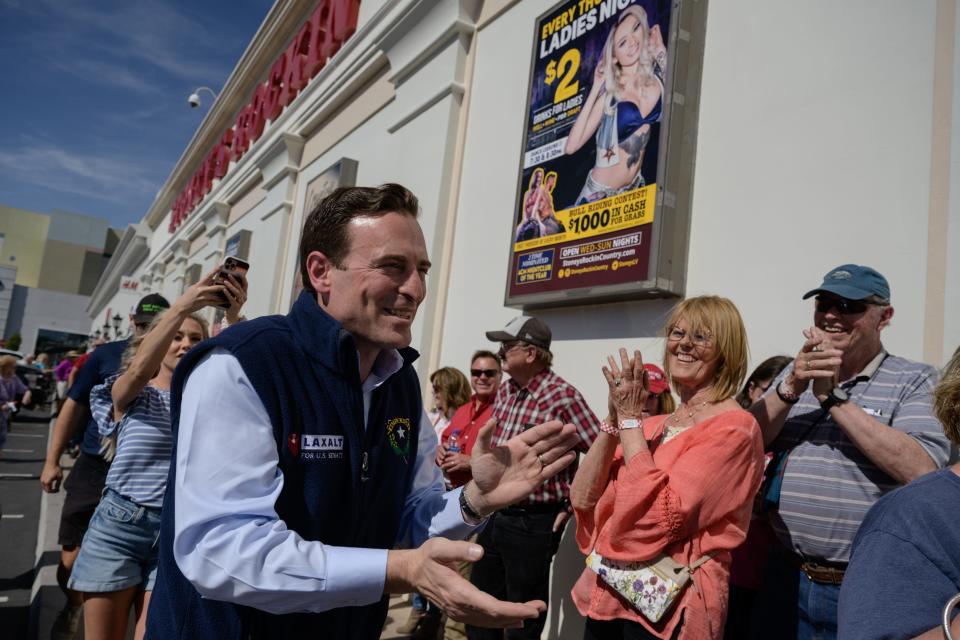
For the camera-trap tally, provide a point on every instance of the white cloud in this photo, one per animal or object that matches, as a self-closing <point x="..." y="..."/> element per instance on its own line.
<point x="106" y="73"/>
<point x="147" y="32"/>
<point x="99" y="177"/>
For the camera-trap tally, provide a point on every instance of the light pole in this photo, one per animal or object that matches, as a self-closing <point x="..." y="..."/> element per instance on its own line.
<point x="117" y="319"/>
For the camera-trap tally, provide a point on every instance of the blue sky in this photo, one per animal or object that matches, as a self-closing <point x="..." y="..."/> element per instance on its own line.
<point x="93" y="111"/>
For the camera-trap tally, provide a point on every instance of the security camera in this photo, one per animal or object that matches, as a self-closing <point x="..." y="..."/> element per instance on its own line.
<point x="194" y="100"/>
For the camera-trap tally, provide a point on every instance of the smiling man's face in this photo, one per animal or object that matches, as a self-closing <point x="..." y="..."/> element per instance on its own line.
<point x="376" y="290"/>
<point x="856" y="332"/>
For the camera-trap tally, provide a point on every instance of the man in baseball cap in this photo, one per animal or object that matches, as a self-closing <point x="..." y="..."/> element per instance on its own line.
<point x="148" y="308"/>
<point x="529" y="330"/>
<point x="850" y="422"/>
<point x="89" y="474"/>
<point x="854" y="282"/>
<point x="515" y="537"/>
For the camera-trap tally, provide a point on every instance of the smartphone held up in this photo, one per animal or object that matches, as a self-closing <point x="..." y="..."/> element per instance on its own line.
<point x="231" y="267"/>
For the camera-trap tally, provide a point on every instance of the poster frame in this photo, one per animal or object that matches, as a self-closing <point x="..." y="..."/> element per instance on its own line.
<point x="676" y="153"/>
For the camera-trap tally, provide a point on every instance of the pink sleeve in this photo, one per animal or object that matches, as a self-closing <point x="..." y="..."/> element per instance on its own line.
<point x="717" y="473"/>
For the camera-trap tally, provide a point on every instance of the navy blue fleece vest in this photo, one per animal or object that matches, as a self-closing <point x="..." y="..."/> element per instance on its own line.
<point x="304" y="368"/>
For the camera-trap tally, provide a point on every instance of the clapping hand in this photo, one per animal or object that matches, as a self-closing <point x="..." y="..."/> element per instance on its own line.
<point x="818" y="361"/>
<point x="626" y="386"/>
<point x="507" y="473"/>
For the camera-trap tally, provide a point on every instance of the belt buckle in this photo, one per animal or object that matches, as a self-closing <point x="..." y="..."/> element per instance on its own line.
<point x="819" y="573"/>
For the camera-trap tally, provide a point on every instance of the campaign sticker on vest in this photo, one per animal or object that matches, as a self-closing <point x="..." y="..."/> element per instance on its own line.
<point x="398" y="432"/>
<point x="321" y="447"/>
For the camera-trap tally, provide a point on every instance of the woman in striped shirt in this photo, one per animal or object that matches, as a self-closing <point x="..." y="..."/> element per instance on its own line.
<point x="117" y="564"/>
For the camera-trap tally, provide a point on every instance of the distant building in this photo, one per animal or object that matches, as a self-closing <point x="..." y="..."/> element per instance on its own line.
<point x="49" y="267"/>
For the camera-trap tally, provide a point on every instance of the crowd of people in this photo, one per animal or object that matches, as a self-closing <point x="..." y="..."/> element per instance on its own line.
<point x="283" y="478"/>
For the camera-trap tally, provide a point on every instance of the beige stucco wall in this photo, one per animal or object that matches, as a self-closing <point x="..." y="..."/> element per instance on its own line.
<point x="25" y="234"/>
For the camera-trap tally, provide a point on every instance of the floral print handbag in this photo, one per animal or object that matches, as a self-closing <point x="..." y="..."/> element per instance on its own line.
<point x="651" y="587"/>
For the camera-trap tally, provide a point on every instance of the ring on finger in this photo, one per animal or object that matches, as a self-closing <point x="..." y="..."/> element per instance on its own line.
<point x="540" y="459"/>
<point x="617" y="382"/>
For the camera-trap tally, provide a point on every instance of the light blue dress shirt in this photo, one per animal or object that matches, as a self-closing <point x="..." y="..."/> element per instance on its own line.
<point x="230" y="543"/>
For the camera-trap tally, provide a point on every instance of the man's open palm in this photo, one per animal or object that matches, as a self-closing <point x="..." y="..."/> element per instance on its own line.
<point x="507" y="473"/>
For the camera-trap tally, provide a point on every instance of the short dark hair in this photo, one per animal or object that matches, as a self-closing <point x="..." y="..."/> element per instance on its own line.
<point x="326" y="227"/>
<point x="485" y="353"/>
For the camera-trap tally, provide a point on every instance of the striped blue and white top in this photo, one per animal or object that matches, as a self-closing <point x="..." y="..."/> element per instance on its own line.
<point x="828" y="483"/>
<point x="144" y="442"/>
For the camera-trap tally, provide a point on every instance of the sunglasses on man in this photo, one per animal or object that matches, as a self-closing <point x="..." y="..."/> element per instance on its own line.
<point x="489" y="373"/>
<point x="507" y="347"/>
<point x="843" y="306"/>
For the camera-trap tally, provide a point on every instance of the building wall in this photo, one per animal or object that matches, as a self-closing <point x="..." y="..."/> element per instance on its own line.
<point x="54" y="310"/>
<point x="8" y="279"/>
<point x="949" y="69"/>
<point x="73" y="258"/>
<point x="794" y="141"/>
<point x="847" y="182"/>
<point x="24" y="235"/>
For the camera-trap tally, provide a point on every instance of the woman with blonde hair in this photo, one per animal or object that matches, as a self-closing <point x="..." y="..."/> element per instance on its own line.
<point x="117" y="563"/>
<point x="671" y="489"/>
<point x="451" y="390"/>
<point x="624" y="102"/>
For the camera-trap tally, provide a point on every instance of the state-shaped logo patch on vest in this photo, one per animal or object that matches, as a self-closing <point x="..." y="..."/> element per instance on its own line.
<point x="398" y="433"/>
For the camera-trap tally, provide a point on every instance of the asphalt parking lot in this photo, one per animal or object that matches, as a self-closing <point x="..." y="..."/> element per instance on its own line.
<point x="20" y="517"/>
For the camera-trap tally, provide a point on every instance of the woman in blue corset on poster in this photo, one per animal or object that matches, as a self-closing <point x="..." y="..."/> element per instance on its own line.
<point x="625" y="100"/>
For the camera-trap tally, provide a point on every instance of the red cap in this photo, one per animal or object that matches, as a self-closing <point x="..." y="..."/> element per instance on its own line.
<point x="656" y="379"/>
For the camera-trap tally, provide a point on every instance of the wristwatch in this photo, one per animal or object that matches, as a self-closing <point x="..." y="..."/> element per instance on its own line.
<point x="630" y="423"/>
<point x="834" y="397"/>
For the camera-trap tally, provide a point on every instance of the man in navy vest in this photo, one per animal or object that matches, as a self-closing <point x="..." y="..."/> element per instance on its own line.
<point x="303" y="489"/>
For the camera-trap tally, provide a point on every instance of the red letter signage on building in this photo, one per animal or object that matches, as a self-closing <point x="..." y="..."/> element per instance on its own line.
<point x="331" y="24"/>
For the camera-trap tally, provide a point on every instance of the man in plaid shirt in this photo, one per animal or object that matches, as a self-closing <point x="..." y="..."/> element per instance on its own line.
<point x="519" y="542"/>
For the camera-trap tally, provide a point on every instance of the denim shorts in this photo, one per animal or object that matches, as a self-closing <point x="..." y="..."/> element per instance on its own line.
<point x="120" y="548"/>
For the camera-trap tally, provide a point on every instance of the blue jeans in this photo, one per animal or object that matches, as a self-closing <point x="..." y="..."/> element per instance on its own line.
<point x="120" y="549"/>
<point x="790" y="605"/>
<point x="816" y="609"/>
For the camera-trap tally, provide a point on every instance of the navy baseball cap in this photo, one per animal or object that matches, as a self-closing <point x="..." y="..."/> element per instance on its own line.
<point x="853" y="282"/>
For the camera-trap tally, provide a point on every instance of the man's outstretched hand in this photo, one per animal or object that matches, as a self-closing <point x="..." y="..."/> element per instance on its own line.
<point x="431" y="571"/>
<point x="505" y="474"/>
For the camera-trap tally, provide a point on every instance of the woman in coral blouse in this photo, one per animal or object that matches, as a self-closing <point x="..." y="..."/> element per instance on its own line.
<point x="678" y="484"/>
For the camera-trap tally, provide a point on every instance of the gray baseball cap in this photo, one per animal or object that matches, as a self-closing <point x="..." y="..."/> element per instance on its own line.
<point x="530" y="330"/>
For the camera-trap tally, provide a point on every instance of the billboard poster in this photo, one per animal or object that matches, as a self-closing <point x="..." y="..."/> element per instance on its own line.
<point x="584" y="211"/>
